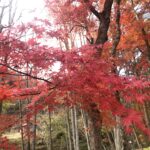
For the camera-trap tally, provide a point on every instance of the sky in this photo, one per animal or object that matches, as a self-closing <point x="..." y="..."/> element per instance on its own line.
<point x="27" y="9"/>
<point x="31" y="9"/>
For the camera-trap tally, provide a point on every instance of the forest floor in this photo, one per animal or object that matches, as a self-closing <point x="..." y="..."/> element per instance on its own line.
<point x="15" y="137"/>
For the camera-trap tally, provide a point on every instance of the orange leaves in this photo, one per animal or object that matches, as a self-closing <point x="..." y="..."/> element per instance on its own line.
<point x="108" y="119"/>
<point x="132" y="24"/>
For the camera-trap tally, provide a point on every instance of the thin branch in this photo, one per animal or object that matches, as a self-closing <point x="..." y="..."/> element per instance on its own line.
<point x="82" y="26"/>
<point x="11" y="74"/>
<point x="26" y="74"/>
<point x="92" y="9"/>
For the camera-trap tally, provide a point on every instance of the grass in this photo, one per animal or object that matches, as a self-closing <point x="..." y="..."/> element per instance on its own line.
<point x="13" y="137"/>
<point x="148" y="148"/>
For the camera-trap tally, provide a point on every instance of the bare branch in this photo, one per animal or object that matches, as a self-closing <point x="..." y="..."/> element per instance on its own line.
<point x="26" y="74"/>
<point x="81" y="26"/>
<point x="92" y="9"/>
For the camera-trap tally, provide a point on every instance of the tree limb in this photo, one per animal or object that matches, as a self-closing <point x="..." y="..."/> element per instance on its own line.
<point x="26" y="74"/>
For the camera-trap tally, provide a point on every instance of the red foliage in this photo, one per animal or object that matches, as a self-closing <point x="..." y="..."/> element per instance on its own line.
<point x="82" y="77"/>
<point x="6" y="145"/>
<point x="7" y="121"/>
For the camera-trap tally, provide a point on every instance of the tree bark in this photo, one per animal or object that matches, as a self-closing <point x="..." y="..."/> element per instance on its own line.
<point x="95" y="124"/>
<point x="34" y="132"/>
<point x="27" y="118"/>
<point x="86" y="127"/>
<point x="69" y="131"/>
<point x="1" y="106"/>
<point x="74" y="128"/>
<point x="95" y="118"/>
<point x="118" y="135"/>
<point x="50" y="144"/>
<point x="21" y="125"/>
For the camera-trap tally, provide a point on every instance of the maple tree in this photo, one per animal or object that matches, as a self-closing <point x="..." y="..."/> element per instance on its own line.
<point x="88" y="77"/>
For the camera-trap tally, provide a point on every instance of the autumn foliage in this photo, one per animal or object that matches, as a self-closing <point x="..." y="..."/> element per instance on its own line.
<point x="82" y="77"/>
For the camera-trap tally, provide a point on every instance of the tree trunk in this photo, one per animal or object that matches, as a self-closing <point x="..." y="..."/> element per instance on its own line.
<point x="1" y="106"/>
<point x="69" y="131"/>
<point x="21" y="125"/>
<point x="112" y="145"/>
<point x="75" y="128"/>
<point x="95" y="118"/>
<point x="95" y="124"/>
<point x="136" y="139"/>
<point x="118" y="135"/>
<point x="27" y="118"/>
<point x="50" y="145"/>
<point x="85" y="124"/>
<point x="146" y="113"/>
<point x="34" y="132"/>
<point x="28" y="135"/>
